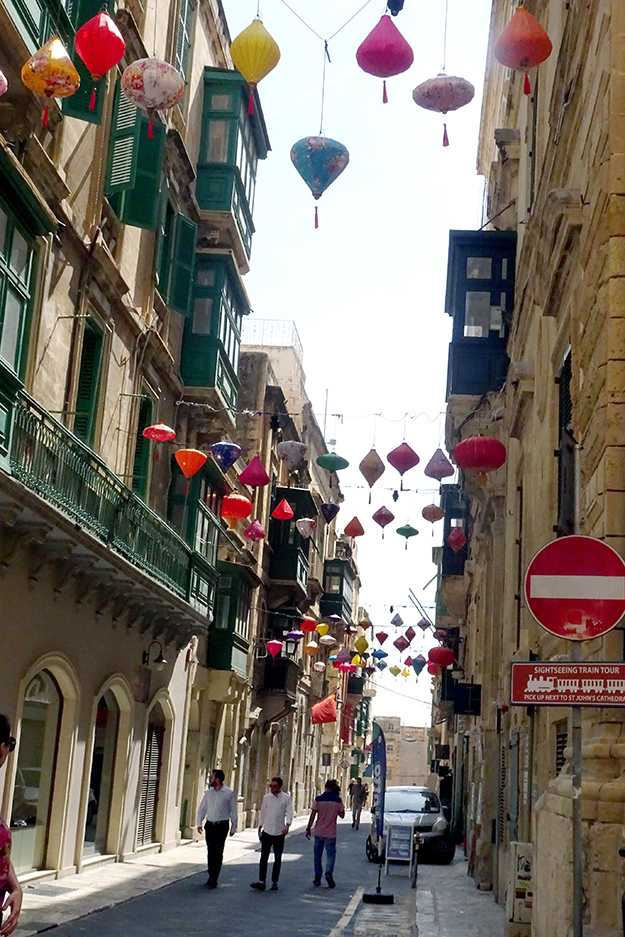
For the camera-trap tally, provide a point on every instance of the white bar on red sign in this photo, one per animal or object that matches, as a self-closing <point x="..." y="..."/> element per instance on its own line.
<point x="568" y="684"/>
<point x="577" y="587"/>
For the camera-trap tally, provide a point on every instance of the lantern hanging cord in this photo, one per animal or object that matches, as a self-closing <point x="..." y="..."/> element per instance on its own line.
<point x="445" y="37"/>
<point x="326" y="55"/>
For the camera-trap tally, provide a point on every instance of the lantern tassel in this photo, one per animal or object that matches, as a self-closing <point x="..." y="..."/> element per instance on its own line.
<point x="250" y="103"/>
<point x="384" y="94"/>
<point x="45" y="116"/>
<point x="151" y="129"/>
<point x="369" y="497"/>
<point x="316" y="226"/>
<point x="406" y="545"/>
<point x="526" y="85"/>
<point x="92" y="100"/>
<point x="445" y="137"/>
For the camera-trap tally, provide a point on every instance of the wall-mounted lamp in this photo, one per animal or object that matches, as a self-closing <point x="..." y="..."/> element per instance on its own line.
<point x="159" y="661"/>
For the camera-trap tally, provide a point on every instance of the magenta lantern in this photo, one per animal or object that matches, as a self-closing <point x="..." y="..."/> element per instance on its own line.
<point x="255" y="475"/>
<point x="384" y="52"/>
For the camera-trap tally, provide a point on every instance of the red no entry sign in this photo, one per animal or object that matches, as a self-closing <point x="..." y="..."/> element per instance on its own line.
<point x="575" y="588"/>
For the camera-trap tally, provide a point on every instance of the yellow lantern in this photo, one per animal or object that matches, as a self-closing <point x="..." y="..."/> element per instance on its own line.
<point x="361" y="644"/>
<point x="255" y="53"/>
<point x="322" y="629"/>
<point x="394" y="670"/>
<point x="405" y="672"/>
<point x="356" y="659"/>
<point x="51" y="72"/>
<point x="312" y="648"/>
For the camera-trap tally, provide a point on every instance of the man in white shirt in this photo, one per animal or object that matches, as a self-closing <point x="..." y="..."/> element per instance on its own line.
<point x="219" y="809"/>
<point x="276" y="816"/>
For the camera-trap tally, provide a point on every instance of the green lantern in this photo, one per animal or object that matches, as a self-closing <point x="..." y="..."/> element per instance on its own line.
<point x="332" y="462"/>
<point x="407" y="531"/>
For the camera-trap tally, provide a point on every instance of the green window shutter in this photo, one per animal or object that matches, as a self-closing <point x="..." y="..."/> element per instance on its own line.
<point x="124" y="145"/>
<point x="88" y="385"/>
<point x="78" y="104"/>
<point x="139" y="205"/>
<point x="183" y="266"/>
<point x="164" y="242"/>
<point x="141" y="468"/>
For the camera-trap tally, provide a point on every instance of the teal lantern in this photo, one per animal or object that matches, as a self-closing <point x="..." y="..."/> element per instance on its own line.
<point x="332" y="462"/>
<point x="407" y="531"/>
<point x="319" y="161"/>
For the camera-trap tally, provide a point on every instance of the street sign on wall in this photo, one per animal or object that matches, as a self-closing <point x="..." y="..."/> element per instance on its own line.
<point x="568" y="684"/>
<point x="575" y="588"/>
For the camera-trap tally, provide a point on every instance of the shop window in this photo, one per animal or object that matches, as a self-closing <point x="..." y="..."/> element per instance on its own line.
<point x="88" y="393"/>
<point x="34" y="777"/>
<point x="16" y="261"/>
<point x="101" y="777"/>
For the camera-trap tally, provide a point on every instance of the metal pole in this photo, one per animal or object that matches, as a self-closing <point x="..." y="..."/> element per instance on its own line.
<point x="576" y="731"/>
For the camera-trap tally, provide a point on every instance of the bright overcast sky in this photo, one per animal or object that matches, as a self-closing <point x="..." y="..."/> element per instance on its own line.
<point x="366" y="290"/>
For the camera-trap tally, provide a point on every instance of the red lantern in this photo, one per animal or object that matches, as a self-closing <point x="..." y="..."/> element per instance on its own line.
<point x="441" y="634"/>
<point x="283" y="511"/>
<point x="354" y="528"/>
<point x="403" y="458"/>
<point x="410" y="633"/>
<point x="443" y="656"/>
<point x="456" y="539"/>
<point x="400" y="643"/>
<point x="383" y="517"/>
<point x="190" y="461"/>
<point x="381" y="636"/>
<point x="159" y="433"/>
<point x="101" y="46"/>
<point x="408" y="661"/>
<point x="434" y="669"/>
<point x="308" y="625"/>
<point x="523" y="44"/>
<point x="235" y="508"/>
<point x="479" y="455"/>
<point x="255" y="475"/>
<point x="384" y="52"/>
<point x="325" y="711"/>
<point x="439" y="466"/>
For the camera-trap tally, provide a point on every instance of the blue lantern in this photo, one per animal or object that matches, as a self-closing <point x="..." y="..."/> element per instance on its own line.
<point x="379" y="654"/>
<point x="319" y="161"/>
<point x="225" y="454"/>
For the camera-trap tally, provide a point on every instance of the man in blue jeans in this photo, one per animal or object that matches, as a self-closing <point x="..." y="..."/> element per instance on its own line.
<point x="326" y="810"/>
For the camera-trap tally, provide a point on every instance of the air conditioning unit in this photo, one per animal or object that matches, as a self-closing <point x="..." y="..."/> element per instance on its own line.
<point x="520" y="893"/>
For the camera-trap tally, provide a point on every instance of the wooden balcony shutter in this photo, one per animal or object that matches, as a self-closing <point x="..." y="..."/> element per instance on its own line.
<point x="181" y="281"/>
<point x="123" y="145"/>
<point x="152" y="760"/>
<point x="88" y="385"/>
<point x="78" y="104"/>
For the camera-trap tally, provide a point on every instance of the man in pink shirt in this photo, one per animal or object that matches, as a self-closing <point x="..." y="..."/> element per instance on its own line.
<point x="326" y="810"/>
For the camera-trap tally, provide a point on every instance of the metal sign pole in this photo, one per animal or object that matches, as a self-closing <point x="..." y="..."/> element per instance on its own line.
<point x="576" y="731"/>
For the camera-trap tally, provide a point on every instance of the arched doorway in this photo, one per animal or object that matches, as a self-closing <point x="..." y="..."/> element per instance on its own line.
<point x="150" y="777"/>
<point x="102" y="776"/>
<point x="35" y="771"/>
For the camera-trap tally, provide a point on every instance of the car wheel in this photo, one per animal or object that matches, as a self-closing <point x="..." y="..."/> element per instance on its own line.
<point x="445" y="851"/>
<point x="372" y="852"/>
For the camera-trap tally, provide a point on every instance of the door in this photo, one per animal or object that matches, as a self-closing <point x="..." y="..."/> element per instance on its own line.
<point x="152" y="761"/>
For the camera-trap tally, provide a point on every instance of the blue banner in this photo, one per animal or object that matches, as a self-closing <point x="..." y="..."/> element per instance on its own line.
<point x="378" y="761"/>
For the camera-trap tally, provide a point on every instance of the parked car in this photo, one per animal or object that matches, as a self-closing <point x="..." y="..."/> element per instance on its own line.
<point x="420" y="808"/>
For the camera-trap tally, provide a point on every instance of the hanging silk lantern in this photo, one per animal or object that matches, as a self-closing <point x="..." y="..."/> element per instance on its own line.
<point x="291" y="453"/>
<point x="433" y="513"/>
<point x="274" y="647"/>
<point x="408" y="661"/>
<point x="364" y="623"/>
<point x="295" y="635"/>
<point x="407" y="531"/>
<point x="349" y="630"/>
<point x="403" y="459"/>
<point x="401" y="643"/>
<point x="424" y="624"/>
<point x="308" y="625"/>
<point x="397" y="620"/>
<point x="357" y="660"/>
<point x="190" y="461"/>
<point x="405" y="672"/>
<point x="159" y="433"/>
<point x="439" y="466"/>
<point x="332" y="462"/>
<point x="382" y="665"/>
<point x="479" y="455"/>
<point x="225" y="454"/>
<point x="369" y="671"/>
<point x="4" y="84"/>
<point x="319" y="161"/>
<point x="441" y="634"/>
<point x="51" y="72"/>
<point x="344" y="656"/>
<point x="379" y="654"/>
<point x="283" y="511"/>
<point x="254" y="531"/>
<point x="153" y="85"/>
<point x="329" y="510"/>
<point x="235" y="508"/>
<point x="326" y="640"/>
<point x="456" y="539"/>
<point x="254" y="474"/>
<point x="418" y="663"/>
<point x="433" y="668"/>
<point x="306" y="527"/>
<point x="523" y="44"/>
<point x="443" y="94"/>
<point x="254" y="53"/>
<point x="395" y="670"/>
<point x="322" y="629"/>
<point x="354" y="528"/>
<point x="372" y="467"/>
<point x="319" y="666"/>
<point x="409" y="634"/>
<point x="444" y="656"/>
<point x="381" y="636"/>
<point x="101" y="46"/>
<point x="361" y="644"/>
<point x="383" y="517"/>
<point x="384" y="52"/>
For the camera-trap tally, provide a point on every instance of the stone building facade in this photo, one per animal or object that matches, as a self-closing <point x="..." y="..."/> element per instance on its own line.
<point x="538" y="364"/>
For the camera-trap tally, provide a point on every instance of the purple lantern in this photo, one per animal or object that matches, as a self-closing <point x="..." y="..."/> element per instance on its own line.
<point x="328" y="511"/>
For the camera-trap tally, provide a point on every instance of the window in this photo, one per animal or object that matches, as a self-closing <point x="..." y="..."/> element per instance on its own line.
<point x="88" y="392"/>
<point x="16" y="261"/>
<point x="184" y="37"/>
<point x="562" y="740"/>
<point x="78" y="104"/>
<point x="479" y="268"/>
<point x="143" y="449"/>
<point x="566" y="453"/>
<point x="175" y="255"/>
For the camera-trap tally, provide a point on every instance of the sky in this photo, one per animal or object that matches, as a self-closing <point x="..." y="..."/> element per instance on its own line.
<point x="366" y="289"/>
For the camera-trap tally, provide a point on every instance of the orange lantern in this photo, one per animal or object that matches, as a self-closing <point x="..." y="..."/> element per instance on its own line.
<point x="523" y="44"/>
<point x="51" y="72"/>
<point x="235" y="508"/>
<point x="190" y="461"/>
<point x="433" y="513"/>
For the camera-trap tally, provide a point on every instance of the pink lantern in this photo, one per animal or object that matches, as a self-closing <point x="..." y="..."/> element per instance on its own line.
<point x="153" y="85"/>
<point x="254" y="531"/>
<point x="383" y="517"/>
<point x="424" y="624"/>
<point x="274" y="647"/>
<point x="255" y="475"/>
<point x="384" y="52"/>
<point x="443" y="93"/>
<point x="306" y="526"/>
<point x="403" y="458"/>
<point x="4" y="85"/>
<point x="439" y="466"/>
<point x="291" y="453"/>
<point x="319" y="666"/>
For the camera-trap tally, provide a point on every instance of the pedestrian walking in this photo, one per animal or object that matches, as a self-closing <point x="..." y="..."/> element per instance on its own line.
<point x="359" y="796"/>
<point x="219" y="809"/>
<point x="10" y="890"/>
<point x="326" y="810"/>
<point x="276" y="816"/>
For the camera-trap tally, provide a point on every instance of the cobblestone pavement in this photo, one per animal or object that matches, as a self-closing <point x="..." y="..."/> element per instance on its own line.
<point x="449" y="904"/>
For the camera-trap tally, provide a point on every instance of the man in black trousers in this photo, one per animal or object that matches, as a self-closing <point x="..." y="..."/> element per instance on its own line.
<point x="219" y="809"/>
<point x="276" y="816"/>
